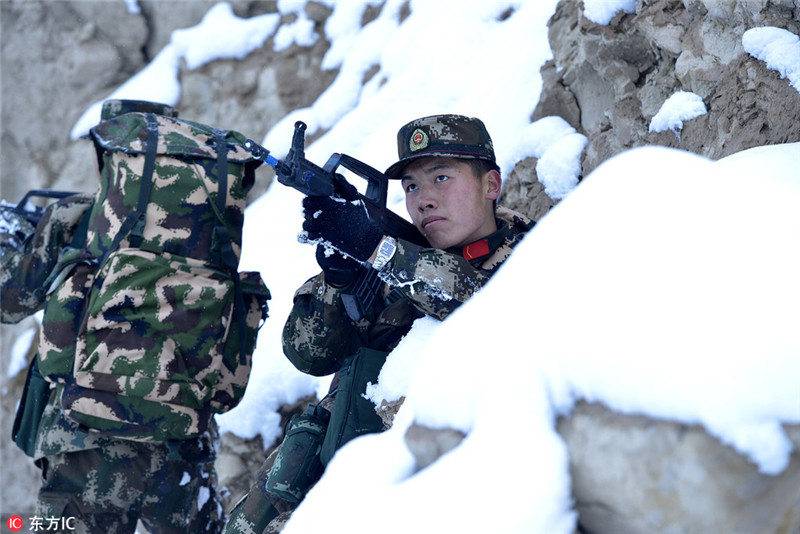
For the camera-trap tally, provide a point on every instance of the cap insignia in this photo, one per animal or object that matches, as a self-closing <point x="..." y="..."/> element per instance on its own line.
<point x="418" y="140"/>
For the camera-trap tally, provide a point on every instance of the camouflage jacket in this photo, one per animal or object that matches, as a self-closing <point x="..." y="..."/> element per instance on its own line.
<point x="319" y="335"/>
<point x="23" y="273"/>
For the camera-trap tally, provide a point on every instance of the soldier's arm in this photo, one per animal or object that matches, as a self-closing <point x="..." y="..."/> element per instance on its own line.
<point x="318" y="335"/>
<point x="23" y="272"/>
<point x="436" y="281"/>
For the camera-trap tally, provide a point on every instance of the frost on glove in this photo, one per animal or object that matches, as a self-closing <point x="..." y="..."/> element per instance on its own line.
<point x="342" y="223"/>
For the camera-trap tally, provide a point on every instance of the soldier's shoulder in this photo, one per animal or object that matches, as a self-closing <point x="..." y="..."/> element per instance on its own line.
<point x="68" y="210"/>
<point x="518" y="222"/>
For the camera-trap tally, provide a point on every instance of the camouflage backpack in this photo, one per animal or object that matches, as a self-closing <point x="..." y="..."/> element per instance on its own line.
<point x="150" y="328"/>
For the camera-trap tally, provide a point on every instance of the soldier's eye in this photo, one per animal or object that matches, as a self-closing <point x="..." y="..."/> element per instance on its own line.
<point x="411" y="187"/>
<point x="442" y="178"/>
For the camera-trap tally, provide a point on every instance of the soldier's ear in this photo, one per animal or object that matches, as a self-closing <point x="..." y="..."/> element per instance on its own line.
<point x="492" y="183"/>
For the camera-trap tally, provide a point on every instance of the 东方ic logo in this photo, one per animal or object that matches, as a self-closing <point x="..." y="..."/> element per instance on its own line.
<point x="14" y="523"/>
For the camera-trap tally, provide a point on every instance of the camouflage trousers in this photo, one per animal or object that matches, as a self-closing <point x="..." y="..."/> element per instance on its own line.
<point x="259" y="512"/>
<point x="170" y="487"/>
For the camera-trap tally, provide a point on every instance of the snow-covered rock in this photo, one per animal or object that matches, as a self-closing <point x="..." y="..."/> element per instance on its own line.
<point x="637" y="475"/>
<point x="614" y="67"/>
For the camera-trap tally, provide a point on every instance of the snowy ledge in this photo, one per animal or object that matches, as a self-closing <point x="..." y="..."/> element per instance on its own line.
<point x="778" y="48"/>
<point x="644" y="290"/>
<point x="602" y="11"/>
<point x="680" y="106"/>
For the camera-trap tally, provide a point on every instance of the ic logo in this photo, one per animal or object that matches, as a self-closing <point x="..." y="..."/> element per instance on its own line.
<point x="14" y="523"/>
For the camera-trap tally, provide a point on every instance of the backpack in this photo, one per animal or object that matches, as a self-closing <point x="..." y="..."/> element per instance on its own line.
<point x="149" y="328"/>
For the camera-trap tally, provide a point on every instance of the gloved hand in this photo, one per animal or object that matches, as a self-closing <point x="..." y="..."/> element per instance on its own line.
<point x="342" y="222"/>
<point x="339" y="271"/>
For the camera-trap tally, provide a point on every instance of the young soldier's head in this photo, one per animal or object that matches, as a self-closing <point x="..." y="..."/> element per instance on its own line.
<point x="450" y="178"/>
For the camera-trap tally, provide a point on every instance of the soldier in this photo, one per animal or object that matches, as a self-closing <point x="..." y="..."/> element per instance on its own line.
<point x="451" y="181"/>
<point x="107" y="484"/>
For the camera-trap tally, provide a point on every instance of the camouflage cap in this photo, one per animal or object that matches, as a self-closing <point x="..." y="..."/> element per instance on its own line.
<point x="114" y="108"/>
<point x="442" y="135"/>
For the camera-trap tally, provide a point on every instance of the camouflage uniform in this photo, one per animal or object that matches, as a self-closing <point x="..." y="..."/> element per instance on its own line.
<point x="106" y="483"/>
<point x="318" y="333"/>
<point x="23" y="274"/>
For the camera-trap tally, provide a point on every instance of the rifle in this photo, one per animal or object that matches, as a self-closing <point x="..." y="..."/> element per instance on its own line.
<point x="18" y="223"/>
<point x="297" y="172"/>
<point x="34" y="215"/>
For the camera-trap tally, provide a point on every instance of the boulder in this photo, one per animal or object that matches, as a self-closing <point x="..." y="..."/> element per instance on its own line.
<point x="634" y="475"/>
<point x="608" y="81"/>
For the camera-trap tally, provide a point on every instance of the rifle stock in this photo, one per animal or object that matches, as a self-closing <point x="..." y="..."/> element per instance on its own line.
<point x="311" y="180"/>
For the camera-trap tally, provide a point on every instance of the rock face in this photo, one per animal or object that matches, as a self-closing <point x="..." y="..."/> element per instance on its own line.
<point x="631" y="474"/>
<point x="609" y="81"/>
<point x="635" y="475"/>
<point x="59" y="57"/>
<point x="524" y="193"/>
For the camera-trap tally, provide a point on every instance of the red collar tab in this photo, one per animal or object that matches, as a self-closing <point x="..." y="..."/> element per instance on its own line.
<point x="476" y="249"/>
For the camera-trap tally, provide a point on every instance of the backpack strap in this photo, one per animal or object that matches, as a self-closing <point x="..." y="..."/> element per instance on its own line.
<point x="136" y="216"/>
<point x="82" y="230"/>
<point x="223" y="241"/>
<point x="222" y="168"/>
<point x="135" y="221"/>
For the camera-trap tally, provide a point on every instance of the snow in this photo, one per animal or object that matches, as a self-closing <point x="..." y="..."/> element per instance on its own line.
<point x="657" y="286"/>
<point x="722" y="303"/>
<point x="412" y="82"/>
<point x="342" y="29"/>
<point x="221" y="34"/>
<point x="778" y="48"/>
<point x="680" y="106"/>
<point x="688" y="315"/>
<point x="602" y="11"/>
<point x="133" y="6"/>
<point x="300" y="32"/>
<point x="558" y="148"/>
<point x="202" y="497"/>
<point x="19" y="352"/>
<point x="558" y="168"/>
<point x="396" y="372"/>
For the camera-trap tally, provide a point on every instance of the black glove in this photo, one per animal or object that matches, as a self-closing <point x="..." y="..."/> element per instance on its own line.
<point x="342" y="222"/>
<point x="339" y="271"/>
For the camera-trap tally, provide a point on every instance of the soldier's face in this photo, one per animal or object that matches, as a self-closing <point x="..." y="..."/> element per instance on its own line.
<point x="448" y="203"/>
